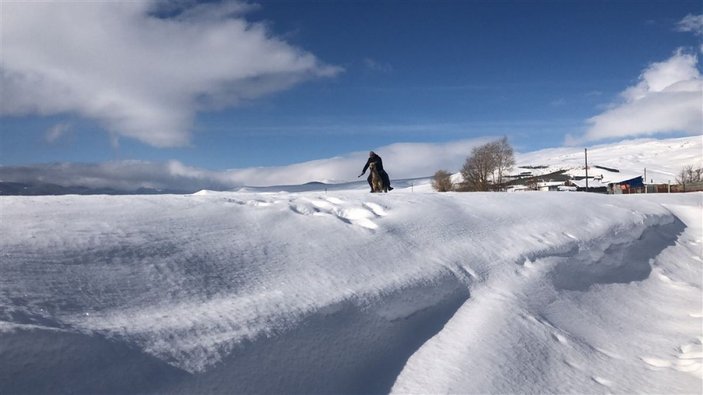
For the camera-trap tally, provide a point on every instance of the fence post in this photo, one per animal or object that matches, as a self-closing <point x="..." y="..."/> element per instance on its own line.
<point x="585" y="154"/>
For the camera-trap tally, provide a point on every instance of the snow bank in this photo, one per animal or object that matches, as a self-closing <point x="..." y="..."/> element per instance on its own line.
<point x="349" y="292"/>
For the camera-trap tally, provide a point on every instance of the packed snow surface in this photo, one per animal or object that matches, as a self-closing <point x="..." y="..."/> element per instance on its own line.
<point x="351" y="292"/>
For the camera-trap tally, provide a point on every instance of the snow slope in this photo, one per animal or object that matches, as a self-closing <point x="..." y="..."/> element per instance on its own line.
<point x="349" y="292"/>
<point x="663" y="159"/>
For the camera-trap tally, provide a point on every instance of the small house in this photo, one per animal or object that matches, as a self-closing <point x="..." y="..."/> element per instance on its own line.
<point x="632" y="185"/>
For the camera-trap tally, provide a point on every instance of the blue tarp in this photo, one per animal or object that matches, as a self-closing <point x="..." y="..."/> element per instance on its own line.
<point x="636" y="182"/>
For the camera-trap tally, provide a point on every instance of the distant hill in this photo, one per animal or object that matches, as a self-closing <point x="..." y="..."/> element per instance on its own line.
<point x="37" y="189"/>
<point x="658" y="161"/>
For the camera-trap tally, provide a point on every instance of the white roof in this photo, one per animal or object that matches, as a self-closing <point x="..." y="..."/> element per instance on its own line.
<point x="591" y="183"/>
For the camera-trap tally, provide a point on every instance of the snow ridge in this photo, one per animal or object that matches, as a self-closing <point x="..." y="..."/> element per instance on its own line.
<point x="347" y="292"/>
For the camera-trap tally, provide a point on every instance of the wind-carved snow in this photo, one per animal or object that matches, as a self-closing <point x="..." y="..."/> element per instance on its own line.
<point x="599" y="320"/>
<point x="350" y="292"/>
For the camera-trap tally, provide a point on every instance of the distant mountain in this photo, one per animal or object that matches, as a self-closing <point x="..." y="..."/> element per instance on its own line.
<point x="37" y="189"/>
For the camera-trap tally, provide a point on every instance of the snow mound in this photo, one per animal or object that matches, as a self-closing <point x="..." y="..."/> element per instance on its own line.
<point x="350" y="292"/>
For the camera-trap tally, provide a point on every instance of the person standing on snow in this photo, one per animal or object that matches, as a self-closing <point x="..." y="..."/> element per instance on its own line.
<point x="373" y="158"/>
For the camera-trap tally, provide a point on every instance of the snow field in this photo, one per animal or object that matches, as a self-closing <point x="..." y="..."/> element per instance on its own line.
<point x="663" y="159"/>
<point x="349" y="292"/>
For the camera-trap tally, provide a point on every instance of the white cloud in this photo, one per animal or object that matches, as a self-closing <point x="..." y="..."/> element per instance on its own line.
<point x="406" y="160"/>
<point x="560" y="102"/>
<point x="691" y="23"/>
<point x="56" y="132"/>
<point x="667" y="98"/>
<point x="400" y="160"/>
<point x="140" y="75"/>
<point x="377" y="66"/>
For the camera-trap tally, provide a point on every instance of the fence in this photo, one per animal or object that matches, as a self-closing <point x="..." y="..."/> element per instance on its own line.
<point x="672" y="188"/>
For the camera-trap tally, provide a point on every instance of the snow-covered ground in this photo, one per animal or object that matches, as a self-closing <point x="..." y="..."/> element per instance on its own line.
<point x="661" y="159"/>
<point x="349" y="292"/>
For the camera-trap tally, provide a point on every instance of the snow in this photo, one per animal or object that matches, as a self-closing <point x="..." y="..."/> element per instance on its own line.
<point x="347" y="291"/>
<point x="591" y="183"/>
<point x="342" y="291"/>
<point x="663" y="159"/>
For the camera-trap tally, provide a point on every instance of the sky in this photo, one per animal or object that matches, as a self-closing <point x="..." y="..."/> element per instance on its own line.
<point x="234" y="85"/>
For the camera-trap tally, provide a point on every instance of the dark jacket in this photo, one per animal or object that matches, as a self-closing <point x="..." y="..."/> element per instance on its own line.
<point x="379" y="164"/>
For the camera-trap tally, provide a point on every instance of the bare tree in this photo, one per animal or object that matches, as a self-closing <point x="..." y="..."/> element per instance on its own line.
<point x="505" y="160"/>
<point x="485" y="167"/>
<point x="442" y="181"/>
<point x="478" y="168"/>
<point x="688" y="175"/>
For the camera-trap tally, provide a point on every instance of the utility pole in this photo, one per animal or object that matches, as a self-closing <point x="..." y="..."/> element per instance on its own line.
<point x="645" y="180"/>
<point x="585" y="153"/>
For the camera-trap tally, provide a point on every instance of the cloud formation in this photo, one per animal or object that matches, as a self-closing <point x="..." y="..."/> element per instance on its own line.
<point x="143" y="71"/>
<point x="54" y="133"/>
<point x="691" y="23"/>
<point x="406" y="160"/>
<point x="667" y="98"/>
<point x="374" y="65"/>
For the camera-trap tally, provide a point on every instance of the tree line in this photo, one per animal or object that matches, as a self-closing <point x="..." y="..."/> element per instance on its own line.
<point x="689" y="175"/>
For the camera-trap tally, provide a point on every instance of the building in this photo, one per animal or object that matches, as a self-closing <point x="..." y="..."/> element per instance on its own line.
<point x="632" y="185"/>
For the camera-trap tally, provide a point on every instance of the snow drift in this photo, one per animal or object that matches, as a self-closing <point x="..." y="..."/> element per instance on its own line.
<point x="347" y="292"/>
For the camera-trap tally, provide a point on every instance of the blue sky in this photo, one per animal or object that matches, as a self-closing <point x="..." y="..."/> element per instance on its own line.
<point x="224" y="85"/>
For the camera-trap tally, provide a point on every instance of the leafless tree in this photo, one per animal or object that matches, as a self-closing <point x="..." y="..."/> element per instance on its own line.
<point x="485" y="167"/>
<point x="442" y="181"/>
<point x="505" y="160"/>
<point x="688" y="175"/>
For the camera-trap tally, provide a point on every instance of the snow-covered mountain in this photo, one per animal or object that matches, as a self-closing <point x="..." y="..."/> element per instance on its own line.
<point x="661" y="160"/>
<point x="342" y="291"/>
